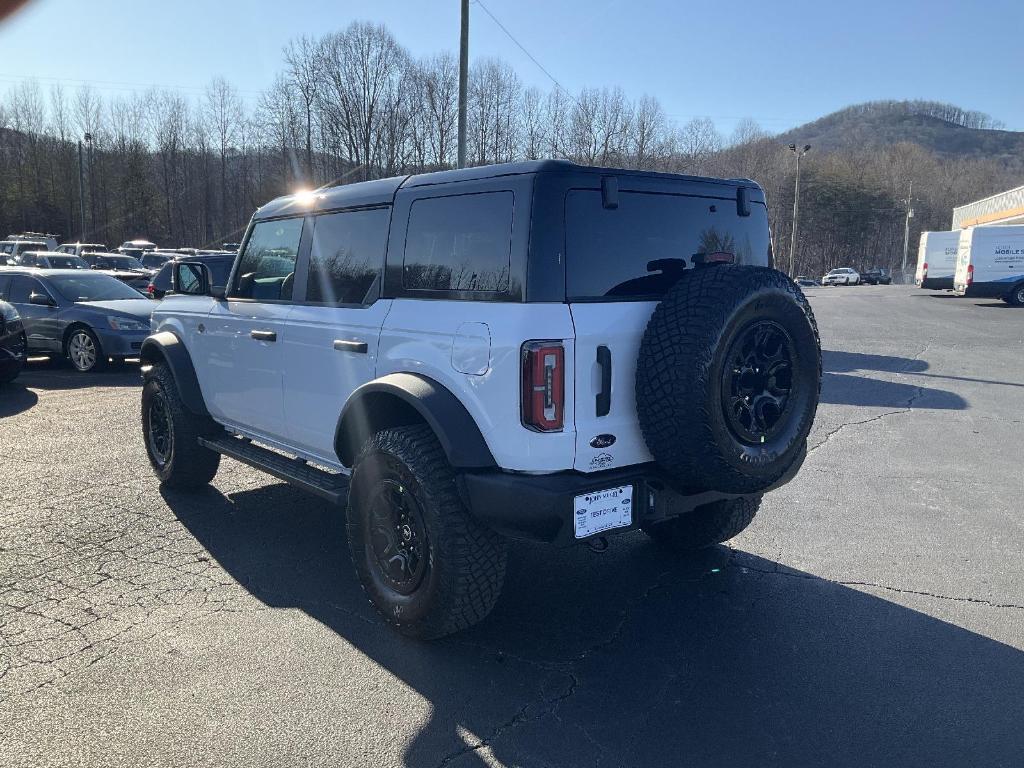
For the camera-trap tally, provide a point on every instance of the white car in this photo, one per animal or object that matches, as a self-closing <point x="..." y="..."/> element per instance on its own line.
<point x="456" y="365"/>
<point x="842" y="276"/>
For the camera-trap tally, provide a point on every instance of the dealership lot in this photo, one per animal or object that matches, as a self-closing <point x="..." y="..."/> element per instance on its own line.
<point x="873" y="614"/>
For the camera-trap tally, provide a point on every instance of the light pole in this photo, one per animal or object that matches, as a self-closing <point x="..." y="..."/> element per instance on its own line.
<point x="463" y="79"/>
<point x="88" y="165"/>
<point x="906" y="229"/>
<point x="81" y="192"/>
<point x="796" y="204"/>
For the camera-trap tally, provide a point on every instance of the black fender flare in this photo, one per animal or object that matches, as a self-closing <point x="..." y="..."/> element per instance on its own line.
<point x="390" y="401"/>
<point x="166" y="347"/>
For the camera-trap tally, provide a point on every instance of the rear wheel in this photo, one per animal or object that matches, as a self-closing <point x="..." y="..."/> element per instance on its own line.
<point x="705" y="526"/>
<point x="172" y="433"/>
<point x="426" y="564"/>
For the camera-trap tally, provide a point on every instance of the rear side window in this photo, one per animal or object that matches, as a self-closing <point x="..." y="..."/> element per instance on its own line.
<point x="459" y="243"/>
<point x="347" y="255"/>
<point x="639" y="250"/>
<point x="267" y="269"/>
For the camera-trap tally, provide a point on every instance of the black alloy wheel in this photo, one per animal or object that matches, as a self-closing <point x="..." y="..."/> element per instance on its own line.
<point x="757" y="381"/>
<point x="397" y="538"/>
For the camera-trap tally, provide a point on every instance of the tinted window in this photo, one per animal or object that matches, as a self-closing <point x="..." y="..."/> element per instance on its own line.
<point x="162" y="279"/>
<point x="459" y="243"/>
<point x="5" y="287"/>
<point x="267" y="269"/>
<point x="22" y="287"/>
<point x="346" y="255"/>
<point x="640" y="249"/>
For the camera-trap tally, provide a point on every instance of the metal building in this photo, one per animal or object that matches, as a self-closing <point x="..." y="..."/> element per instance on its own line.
<point x="1003" y="208"/>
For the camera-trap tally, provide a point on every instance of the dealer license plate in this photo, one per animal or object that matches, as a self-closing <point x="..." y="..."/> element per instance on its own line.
<point x="603" y="510"/>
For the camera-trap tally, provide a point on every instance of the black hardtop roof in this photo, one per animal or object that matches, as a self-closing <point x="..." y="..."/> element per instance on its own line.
<point x="382" y="191"/>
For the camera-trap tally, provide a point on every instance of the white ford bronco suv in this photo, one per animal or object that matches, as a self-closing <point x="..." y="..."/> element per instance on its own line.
<point x="536" y="350"/>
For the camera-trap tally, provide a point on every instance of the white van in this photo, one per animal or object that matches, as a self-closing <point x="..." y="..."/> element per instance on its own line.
<point x="936" y="260"/>
<point x="990" y="263"/>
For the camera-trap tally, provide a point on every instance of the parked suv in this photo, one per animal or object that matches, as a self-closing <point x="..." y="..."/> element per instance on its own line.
<point x="537" y="351"/>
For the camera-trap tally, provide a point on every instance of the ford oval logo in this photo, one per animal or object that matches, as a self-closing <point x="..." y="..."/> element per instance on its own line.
<point x="602" y="441"/>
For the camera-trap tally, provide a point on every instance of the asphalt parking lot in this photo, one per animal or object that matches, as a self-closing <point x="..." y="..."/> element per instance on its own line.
<point x="873" y="614"/>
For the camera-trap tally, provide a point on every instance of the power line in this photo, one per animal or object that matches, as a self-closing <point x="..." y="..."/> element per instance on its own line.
<point x="521" y="47"/>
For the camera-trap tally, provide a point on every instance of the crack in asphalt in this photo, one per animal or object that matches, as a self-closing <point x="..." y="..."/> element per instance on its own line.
<point x="877" y="417"/>
<point x="874" y="585"/>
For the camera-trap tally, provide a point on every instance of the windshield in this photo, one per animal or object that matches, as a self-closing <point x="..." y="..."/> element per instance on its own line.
<point x="92" y="287"/>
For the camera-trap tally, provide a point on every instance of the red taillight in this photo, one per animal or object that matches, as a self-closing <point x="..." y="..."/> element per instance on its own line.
<point x="970" y="274"/>
<point x="150" y="289"/>
<point x="924" y="270"/>
<point x="543" y="385"/>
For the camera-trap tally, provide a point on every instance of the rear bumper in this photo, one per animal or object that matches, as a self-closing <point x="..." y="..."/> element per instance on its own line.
<point x="540" y="507"/>
<point x="990" y="290"/>
<point x="937" y="283"/>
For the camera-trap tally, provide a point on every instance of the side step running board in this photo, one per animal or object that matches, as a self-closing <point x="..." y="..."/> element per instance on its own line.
<point x="332" y="486"/>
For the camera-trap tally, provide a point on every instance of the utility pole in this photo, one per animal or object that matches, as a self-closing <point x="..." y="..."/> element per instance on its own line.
<point x="906" y="230"/>
<point x="81" y="192"/>
<point x="463" y="80"/>
<point x="796" y="205"/>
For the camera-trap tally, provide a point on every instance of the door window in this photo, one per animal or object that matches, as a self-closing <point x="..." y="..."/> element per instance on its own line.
<point x="347" y="256"/>
<point x="22" y="287"/>
<point x="267" y="268"/>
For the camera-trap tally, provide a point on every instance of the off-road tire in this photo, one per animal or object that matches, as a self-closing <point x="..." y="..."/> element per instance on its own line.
<point x="187" y="465"/>
<point x="705" y="526"/>
<point x="682" y="379"/>
<point x="465" y="561"/>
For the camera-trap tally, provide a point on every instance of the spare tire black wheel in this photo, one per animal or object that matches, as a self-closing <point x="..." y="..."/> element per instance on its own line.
<point x="728" y="378"/>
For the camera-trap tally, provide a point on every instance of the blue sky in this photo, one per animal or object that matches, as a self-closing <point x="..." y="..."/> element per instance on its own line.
<point x="780" y="62"/>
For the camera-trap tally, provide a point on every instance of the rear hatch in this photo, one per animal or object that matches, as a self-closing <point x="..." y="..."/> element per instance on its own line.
<point x="620" y="261"/>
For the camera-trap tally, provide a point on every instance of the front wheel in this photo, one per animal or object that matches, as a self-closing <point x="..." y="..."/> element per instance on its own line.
<point x="1016" y="296"/>
<point x="172" y="433"/>
<point x="705" y="526"/>
<point x="426" y="564"/>
<point x="84" y="352"/>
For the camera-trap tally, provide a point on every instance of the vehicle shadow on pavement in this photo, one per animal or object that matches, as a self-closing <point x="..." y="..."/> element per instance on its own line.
<point x="842" y="383"/>
<point x="15" y="398"/>
<point x="54" y="374"/>
<point x="641" y="658"/>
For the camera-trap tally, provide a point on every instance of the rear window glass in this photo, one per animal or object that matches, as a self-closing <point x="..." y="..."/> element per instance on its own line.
<point x="459" y="243"/>
<point x="639" y="249"/>
<point x="347" y="254"/>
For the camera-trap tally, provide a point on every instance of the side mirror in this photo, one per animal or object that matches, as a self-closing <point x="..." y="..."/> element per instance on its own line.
<point x="41" y="300"/>
<point x="191" y="278"/>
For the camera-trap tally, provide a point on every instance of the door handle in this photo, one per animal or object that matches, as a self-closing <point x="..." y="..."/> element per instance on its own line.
<point x="604" y="397"/>
<point x="350" y="346"/>
<point x="263" y="335"/>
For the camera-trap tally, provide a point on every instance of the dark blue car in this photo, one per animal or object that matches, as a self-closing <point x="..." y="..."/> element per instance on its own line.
<point x="84" y="316"/>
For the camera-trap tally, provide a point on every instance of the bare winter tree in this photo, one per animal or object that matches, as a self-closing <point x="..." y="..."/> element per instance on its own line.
<point x="222" y="114"/>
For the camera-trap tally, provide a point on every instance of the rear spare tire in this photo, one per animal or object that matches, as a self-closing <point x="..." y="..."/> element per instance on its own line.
<point x="728" y="377"/>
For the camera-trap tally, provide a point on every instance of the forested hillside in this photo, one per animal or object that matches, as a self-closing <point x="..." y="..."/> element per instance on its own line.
<point x="355" y="104"/>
